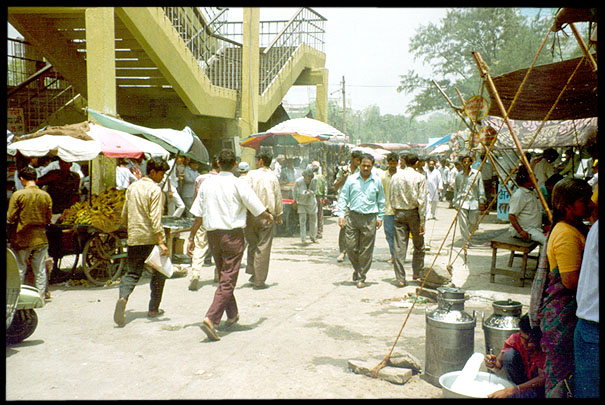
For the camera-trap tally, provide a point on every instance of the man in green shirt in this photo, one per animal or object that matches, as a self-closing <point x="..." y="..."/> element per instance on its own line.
<point x="363" y="194"/>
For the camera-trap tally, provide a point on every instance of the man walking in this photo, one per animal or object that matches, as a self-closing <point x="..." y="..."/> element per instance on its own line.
<point x="305" y="203"/>
<point x="389" y="214"/>
<point x="363" y="194"/>
<point x="200" y="255"/>
<point x="322" y="191"/>
<point x="220" y="206"/>
<point x="434" y="185"/>
<point x="339" y="181"/>
<point x="30" y="209"/>
<point x="475" y="200"/>
<point x="408" y="199"/>
<point x="259" y="234"/>
<point x="142" y="214"/>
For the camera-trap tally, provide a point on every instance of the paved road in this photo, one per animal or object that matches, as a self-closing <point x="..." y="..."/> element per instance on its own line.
<point x="294" y="338"/>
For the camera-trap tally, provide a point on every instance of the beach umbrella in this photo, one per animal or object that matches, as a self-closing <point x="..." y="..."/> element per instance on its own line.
<point x="298" y="131"/>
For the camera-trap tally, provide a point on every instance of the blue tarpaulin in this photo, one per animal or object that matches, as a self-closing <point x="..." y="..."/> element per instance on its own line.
<point x="438" y="142"/>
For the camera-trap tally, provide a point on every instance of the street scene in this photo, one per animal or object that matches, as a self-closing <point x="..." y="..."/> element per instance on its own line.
<point x="228" y="203"/>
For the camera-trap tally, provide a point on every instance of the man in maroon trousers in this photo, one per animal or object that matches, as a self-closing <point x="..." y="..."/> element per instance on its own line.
<point x="221" y="205"/>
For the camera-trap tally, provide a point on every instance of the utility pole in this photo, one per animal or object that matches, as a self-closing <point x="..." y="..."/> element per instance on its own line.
<point x="344" y="108"/>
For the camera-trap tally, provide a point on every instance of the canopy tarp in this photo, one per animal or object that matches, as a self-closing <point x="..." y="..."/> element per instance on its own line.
<point x="392" y="147"/>
<point x="185" y="141"/>
<point x="541" y="89"/>
<point x="68" y="148"/>
<point x="438" y="142"/>
<point x="554" y="134"/>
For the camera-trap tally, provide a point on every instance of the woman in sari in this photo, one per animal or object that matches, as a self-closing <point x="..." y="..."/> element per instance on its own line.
<point x="571" y="203"/>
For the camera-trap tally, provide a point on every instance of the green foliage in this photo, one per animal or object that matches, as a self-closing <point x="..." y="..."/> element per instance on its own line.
<point x="506" y="40"/>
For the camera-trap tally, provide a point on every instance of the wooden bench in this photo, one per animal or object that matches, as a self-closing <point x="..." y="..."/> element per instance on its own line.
<point x="514" y="245"/>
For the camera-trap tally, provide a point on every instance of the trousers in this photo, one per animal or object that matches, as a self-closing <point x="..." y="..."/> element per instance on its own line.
<point x="388" y="222"/>
<point x="586" y="356"/>
<point x="406" y="222"/>
<point x="259" y="236"/>
<point x="136" y="259"/>
<point x="227" y="247"/>
<point x="360" y="235"/>
<point x="200" y="251"/>
<point x="38" y="256"/>
<point x="302" y="222"/>
<point x="512" y="363"/>
<point x="320" y="216"/>
<point x="467" y="220"/>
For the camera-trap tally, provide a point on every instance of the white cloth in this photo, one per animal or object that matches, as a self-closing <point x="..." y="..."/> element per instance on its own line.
<point x="476" y="194"/>
<point x="587" y="294"/>
<point x="222" y="201"/>
<point x="124" y="177"/>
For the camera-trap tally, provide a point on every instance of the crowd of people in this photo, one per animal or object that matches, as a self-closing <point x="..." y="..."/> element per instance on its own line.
<point x="235" y="209"/>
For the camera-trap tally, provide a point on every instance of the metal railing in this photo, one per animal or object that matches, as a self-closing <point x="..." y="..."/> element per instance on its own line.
<point x="216" y="42"/>
<point x="40" y="98"/>
<point x="219" y="57"/>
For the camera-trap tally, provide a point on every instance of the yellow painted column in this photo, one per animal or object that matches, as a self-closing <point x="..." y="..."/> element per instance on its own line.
<point x="321" y="97"/>
<point x="248" y="121"/>
<point x="101" y="84"/>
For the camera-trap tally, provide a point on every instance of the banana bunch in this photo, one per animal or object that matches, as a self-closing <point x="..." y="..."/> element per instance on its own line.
<point x="105" y="207"/>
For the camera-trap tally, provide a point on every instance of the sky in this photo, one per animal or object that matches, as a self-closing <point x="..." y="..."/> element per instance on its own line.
<point x="366" y="45"/>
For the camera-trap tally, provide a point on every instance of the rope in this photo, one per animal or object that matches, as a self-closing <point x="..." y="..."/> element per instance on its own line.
<point x="513" y="171"/>
<point x="384" y="361"/>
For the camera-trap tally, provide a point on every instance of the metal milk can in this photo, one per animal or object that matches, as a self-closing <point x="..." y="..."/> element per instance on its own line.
<point x="501" y="324"/>
<point x="450" y="335"/>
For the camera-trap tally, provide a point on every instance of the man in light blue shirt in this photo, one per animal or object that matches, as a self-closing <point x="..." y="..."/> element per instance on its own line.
<point x="363" y="195"/>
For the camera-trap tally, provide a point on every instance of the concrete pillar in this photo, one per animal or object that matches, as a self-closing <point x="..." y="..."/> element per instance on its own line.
<point x="248" y="121"/>
<point x="321" y="97"/>
<point x="101" y="84"/>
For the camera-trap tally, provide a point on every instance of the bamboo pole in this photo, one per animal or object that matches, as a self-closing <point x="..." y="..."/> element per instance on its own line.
<point x="481" y="65"/>
<point x="587" y="53"/>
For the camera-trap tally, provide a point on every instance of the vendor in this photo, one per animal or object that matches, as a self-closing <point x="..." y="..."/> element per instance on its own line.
<point x="525" y="210"/>
<point x="523" y="361"/>
<point x="63" y="185"/>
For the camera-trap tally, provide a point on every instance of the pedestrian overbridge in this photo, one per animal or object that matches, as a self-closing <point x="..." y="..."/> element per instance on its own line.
<point x="178" y="66"/>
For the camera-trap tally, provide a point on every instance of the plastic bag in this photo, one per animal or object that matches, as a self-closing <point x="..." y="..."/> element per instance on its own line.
<point x="156" y="261"/>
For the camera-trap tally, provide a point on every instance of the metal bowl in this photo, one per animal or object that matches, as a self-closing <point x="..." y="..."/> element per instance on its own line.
<point x="447" y="380"/>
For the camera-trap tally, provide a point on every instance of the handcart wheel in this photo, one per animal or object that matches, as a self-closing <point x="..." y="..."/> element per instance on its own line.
<point x="103" y="258"/>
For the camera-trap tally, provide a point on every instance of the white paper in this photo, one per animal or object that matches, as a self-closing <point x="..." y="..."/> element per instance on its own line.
<point x="156" y="261"/>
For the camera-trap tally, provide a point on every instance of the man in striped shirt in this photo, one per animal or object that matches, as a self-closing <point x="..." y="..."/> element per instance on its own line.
<point x="408" y="199"/>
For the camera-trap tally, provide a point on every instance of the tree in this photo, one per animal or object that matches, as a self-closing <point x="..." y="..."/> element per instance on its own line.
<point x="506" y="40"/>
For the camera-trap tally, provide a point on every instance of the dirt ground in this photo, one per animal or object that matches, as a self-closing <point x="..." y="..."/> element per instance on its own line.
<point x="294" y="339"/>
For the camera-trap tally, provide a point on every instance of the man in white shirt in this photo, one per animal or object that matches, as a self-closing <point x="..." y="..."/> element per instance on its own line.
<point x="176" y="206"/>
<point x="543" y="167"/>
<point x="123" y="175"/>
<point x="220" y="206"/>
<point x="469" y="184"/>
<point x="525" y="210"/>
<point x="434" y="185"/>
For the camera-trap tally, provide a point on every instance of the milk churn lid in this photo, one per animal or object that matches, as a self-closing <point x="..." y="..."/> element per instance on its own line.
<point x="507" y="307"/>
<point x="451" y="292"/>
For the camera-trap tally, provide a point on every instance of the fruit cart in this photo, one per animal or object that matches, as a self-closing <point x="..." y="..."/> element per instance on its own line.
<point x="103" y="254"/>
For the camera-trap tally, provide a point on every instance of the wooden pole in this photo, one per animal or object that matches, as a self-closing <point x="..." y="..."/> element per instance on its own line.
<point x="481" y="65"/>
<point x="576" y="34"/>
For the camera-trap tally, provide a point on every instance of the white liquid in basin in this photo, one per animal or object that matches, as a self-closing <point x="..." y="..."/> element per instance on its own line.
<point x="467" y="384"/>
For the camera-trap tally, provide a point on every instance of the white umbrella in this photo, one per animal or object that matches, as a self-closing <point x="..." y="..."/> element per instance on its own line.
<point x="440" y="149"/>
<point x="69" y="149"/>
